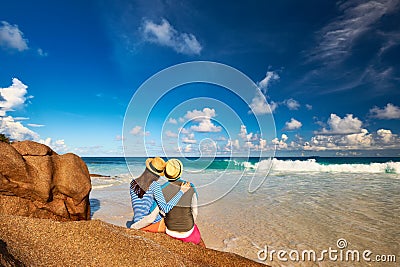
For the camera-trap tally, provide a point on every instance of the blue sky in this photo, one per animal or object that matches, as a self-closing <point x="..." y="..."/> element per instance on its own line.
<point x="328" y="69"/>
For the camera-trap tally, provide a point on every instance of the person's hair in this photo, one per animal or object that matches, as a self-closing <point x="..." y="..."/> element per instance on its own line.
<point x="141" y="184"/>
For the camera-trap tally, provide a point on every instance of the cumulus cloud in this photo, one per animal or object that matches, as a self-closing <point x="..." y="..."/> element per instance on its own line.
<point x="206" y="126"/>
<point x="386" y="136"/>
<point x="232" y="145"/>
<point x="203" y="117"/>
<point x="259" y="105"/>
<point x="382" y="139"/>
<point x="292" y="104"/>
<point x="171" y="134"/>
<point x="293" y="124"/>
<point x="138" y="131"/>
<point x="188" y="148"/>
<point x="172" y="121"/>
<point x="12" y="38"/>
<point x="12" y="97"/>
<point x="309" y="107"/>
<point x="269" y="77"/>
<point x="57" y="145"/>
<point x="263" y="144"/>
<point x="390" y="111"/>
<point x="165" y="34"/>
<point x="280" y="144"/>
<point x="199" y="115"/>
<point x="363" y="139"/>
<point x="15" y="130"/>
<point x="347" y="125"/>
<point x="243" y="133"/>
<point x="189" y="139"/>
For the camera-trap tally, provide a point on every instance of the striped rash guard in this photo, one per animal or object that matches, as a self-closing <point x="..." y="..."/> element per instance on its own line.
<point x="141" y="206"/>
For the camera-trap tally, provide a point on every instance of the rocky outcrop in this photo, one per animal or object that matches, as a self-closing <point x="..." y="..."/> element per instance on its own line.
<point x="37" y="182"/>
<point x="36" y="242"/>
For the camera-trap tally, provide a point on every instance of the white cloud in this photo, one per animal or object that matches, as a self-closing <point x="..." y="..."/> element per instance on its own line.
<point x="206" y="126"/>
<point x="221" y="138"/>
<point x="269" y="77"/>
<point x="15" y="130"/>
<point x="11" y="37"/>
<point x="171" y="134"/>
<point x="280" y="144"/>
<point x="189" y="139"/>
<point x="263" y="144"/>
<point x="35" y="125"/>
<point x="390" y="111"/>
<point x="199" y="115"/>
<point x="347" y="125"/>
<point x="243" y="133"/>
<point x="293" y="124"/>
<point x="166" y="35"/>
<point x="249" y="145"/>
<point x="204" y="118"/>
<point x="309" y="107"/>
<point x="184" y="131"/>
<point x="172" y="121"/>
<point x="137" y="130"/>
<point x="12" y="97"/>
<point x="42" y="53"/>
<point x="292" y="104"/>
<point x="358" y="17"/>
<point x="232" y="145"/>
<point x="259" y="105"/>
<point x="58" y="145"/>
<point x="363" y="139"/>
<point x="382" y="139"/>
<point x="386" y="136"/>
<point x="188" y="148"/>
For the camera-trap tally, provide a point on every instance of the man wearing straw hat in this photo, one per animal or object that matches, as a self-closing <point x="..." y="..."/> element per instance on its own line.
<point x="180" y="220"/>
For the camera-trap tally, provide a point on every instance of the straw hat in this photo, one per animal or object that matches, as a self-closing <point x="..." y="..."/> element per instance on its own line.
<point x="173" y="169"/>
<point x="156" y="165"/>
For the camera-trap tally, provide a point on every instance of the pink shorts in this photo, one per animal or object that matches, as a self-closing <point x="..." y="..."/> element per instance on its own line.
<point x="193" y="238"/>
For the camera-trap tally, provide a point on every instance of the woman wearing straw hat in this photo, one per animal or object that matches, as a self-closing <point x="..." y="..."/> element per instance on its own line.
<point x="180" y="220"/>
<point x="145" y="192"/>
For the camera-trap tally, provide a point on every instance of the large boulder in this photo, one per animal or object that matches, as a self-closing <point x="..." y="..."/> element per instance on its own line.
<point x="33" y="242"/>
<point x="37" y="182"/>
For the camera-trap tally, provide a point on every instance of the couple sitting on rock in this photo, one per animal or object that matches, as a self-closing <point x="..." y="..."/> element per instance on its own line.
<point x="170" y="208"/>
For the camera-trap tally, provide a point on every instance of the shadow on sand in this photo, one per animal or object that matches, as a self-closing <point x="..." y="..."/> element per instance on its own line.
<point x="94" y="206"/>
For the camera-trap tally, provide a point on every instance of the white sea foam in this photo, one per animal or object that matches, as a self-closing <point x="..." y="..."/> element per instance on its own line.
<point x="311" y="165"/>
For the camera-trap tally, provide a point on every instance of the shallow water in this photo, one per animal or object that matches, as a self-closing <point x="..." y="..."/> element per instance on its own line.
<point x="290" y="211"/>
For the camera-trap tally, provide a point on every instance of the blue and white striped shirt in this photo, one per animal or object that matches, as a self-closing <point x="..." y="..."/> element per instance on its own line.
<point x="141" y="206"/>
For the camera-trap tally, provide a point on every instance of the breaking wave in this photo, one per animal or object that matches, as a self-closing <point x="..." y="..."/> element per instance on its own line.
<point x="311" y="165"/>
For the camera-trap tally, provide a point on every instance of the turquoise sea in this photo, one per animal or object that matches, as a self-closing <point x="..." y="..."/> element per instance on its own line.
<point x="283" y="203"/>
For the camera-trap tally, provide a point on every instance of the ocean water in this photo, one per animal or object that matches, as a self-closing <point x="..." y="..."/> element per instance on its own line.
<point x="289" y="204"/>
